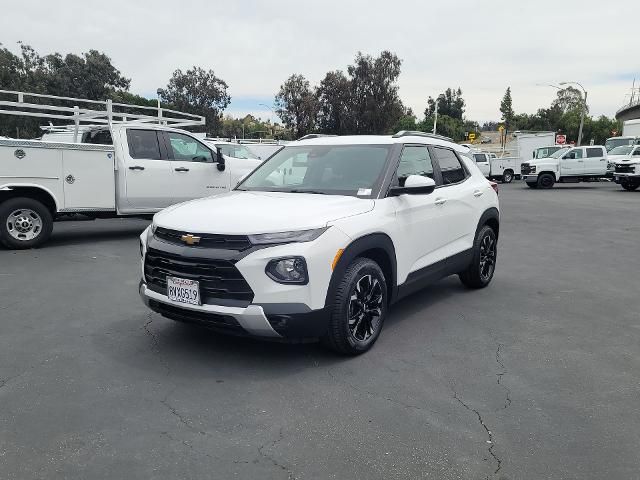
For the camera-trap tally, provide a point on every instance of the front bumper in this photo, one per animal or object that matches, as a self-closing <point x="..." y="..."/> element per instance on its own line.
<point x="275" y="321"/>
<point x="530" y="178"/>
<point x="631" y="177"/>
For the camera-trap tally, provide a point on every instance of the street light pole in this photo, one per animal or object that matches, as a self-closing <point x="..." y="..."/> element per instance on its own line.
<point x="584" y="109"/>
<point x="159" y="92"/>
<point x="435" y="121"/>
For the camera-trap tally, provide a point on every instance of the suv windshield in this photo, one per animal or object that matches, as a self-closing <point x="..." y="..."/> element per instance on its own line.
<point x="355" y="170"/>
<point x="559" y="153"/>
<point x="621" y="150"/>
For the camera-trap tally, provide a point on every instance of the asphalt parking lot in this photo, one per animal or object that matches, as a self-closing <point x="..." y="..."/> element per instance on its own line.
<point x="537" y="376"/>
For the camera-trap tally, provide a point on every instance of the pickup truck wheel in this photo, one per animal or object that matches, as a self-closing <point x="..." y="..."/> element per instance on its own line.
<point x="507" y="176"/>
<point x="532" y="185"/>
<point x="628" y="186"/>
<point x="483" y="264"/>
<point x="359" y="309"/>
<point x="24" y="223"/>
<point x="546" y="180"/>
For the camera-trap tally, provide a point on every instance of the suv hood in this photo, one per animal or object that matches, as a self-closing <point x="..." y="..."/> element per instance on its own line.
<point x="622" y="159"/>
<point x="238" y="212"/>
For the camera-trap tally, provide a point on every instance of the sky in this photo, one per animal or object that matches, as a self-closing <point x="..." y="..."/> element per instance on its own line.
<point x="480" y="46"/>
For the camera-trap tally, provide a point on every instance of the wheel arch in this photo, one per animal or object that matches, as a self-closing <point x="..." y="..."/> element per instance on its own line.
<point x="490" y="217"/>
<point x="553" y="174"/>
<point x="375" y="246"/>
<point x="36" y="192"/>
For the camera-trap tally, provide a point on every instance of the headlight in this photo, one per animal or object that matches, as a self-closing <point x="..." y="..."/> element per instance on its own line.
<point x="532" y="169"/>
<point x="153" y="226"/>
<point x="288" y="270"/>
<point x="287" y="237"/>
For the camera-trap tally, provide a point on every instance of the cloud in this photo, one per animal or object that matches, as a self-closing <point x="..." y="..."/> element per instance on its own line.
<point x="483" y="47"/>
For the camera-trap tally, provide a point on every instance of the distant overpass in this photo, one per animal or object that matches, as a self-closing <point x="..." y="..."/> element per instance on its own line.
<point x="631" y="111"/>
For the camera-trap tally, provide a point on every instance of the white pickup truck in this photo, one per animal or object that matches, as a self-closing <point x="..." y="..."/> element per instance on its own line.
<point x="493" y="168"/>
<point x="567" y="165"/>
<point x="147" y="168"/>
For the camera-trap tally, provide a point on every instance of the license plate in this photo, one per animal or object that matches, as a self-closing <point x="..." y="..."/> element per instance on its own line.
<point x="181" y="290"/>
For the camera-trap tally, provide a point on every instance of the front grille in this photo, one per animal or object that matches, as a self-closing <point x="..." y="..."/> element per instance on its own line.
<point x="625" y="168"/>
<point x="525" y="169"/>
<point x="206" y="319"/>
<point x="219" y="279"/>
<point x="208" y="240"/>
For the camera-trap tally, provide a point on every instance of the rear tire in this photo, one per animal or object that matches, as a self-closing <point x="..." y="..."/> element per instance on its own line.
<point x="24" y="223"/>
<point x="359" y="309"/>
<point x="507" y="176"/>
<point x="483" y="264"/>
<point x="546" y="180"/>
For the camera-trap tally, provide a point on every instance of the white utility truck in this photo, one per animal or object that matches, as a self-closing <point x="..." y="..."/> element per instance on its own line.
<point x="567" y="165"/>
<point x="630" y="136"/>
<point x="494" y="168"/>
<point x="148" y="166"/>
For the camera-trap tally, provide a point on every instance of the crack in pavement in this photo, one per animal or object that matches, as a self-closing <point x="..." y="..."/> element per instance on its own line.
<point x="486" y="428"/>
<point x="507" y="402"/>
<point x="155" y="343"/>
<point x="376" y="395"/>
<point x="272" y="444"/>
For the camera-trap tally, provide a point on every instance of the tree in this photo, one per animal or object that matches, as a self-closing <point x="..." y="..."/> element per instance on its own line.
<point x="199" y="92"/>
<point x="568" y="99"/>
<point x="506" y="108"/>
<point x="90" y="75"/>
<point x="450" y="103"/>
<point x="296" y="105"/>
<point x="334" y="102"/>
<point x="375" y="103"/>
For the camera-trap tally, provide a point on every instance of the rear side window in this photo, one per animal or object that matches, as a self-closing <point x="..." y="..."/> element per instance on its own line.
<point x="594" y="152"/>
<point x="143" y="144"/>
<point x="415" y="160"/>
<point x="450" y="166"/>
<point x="480" y="158"/>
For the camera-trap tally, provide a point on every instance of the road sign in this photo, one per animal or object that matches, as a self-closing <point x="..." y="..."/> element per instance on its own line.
<point x="561" y="139"/>
<point x="472" y="136"/>
<point x="501" y="128"/>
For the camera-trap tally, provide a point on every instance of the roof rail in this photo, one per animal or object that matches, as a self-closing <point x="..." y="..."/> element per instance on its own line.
<point x="315" y="135"/>
<point x="416" y="133"/>
<point x="92" y="112"/>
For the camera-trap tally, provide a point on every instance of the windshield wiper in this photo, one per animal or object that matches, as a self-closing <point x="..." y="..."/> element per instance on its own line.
<point x="317" y="192"/>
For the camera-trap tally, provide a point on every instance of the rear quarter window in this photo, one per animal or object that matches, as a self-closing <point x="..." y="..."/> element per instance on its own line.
<point x="595" y="152"/>
<point x="450" y="166"/>
<point x="143" y="144"/>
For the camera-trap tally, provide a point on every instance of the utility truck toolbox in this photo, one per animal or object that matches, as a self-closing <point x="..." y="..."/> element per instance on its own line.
<point x="322" y="237"/>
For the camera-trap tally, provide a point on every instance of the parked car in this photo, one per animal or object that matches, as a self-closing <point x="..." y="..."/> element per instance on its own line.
<point x="324" y="252"/>
<point x="567" y="165"/>
<point x="147" y="168"/>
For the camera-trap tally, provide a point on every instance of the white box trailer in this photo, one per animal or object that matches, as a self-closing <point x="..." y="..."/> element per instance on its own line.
<point x="631" y="128"/>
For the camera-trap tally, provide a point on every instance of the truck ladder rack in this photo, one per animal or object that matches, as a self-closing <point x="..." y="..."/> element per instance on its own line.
<point x="92" y="112"/>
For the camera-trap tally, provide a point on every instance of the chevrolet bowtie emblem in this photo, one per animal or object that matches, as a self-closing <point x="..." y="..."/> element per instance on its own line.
<point x="190" y="239"/>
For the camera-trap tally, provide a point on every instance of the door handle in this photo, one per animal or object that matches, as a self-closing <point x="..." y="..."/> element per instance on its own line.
<point x="136" y="167"/>
<point x="181" y="169"/>
<point x="440" y="201"/>
<point x="478" y="193"/>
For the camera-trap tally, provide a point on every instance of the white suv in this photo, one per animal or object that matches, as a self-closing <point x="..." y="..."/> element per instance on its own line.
<point x="322" y="237"/>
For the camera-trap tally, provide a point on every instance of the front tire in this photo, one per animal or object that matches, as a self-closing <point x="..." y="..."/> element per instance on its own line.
<point x="507" y="176"/>
<point x="24" y="223"/>
<point x="628" y="186"/>
<point x="546" y="180"/>
<point x="483" y="264"/>
<point x="359" y="308"/>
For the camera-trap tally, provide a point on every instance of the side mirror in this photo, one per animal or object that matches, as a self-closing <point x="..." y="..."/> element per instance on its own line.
<point x="220" y="159"/>
<point x="414" y="185"/>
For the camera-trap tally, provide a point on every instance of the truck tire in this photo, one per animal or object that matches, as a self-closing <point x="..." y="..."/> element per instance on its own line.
<point x="483" y="264"/>
<point x="358" y="309"/>
<point x="628" y="186"/>
<point x="24" y="223"/>
<point x="507" y="176"/>
<point x="532" y="184"/>
<point x="546" y="180"/>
